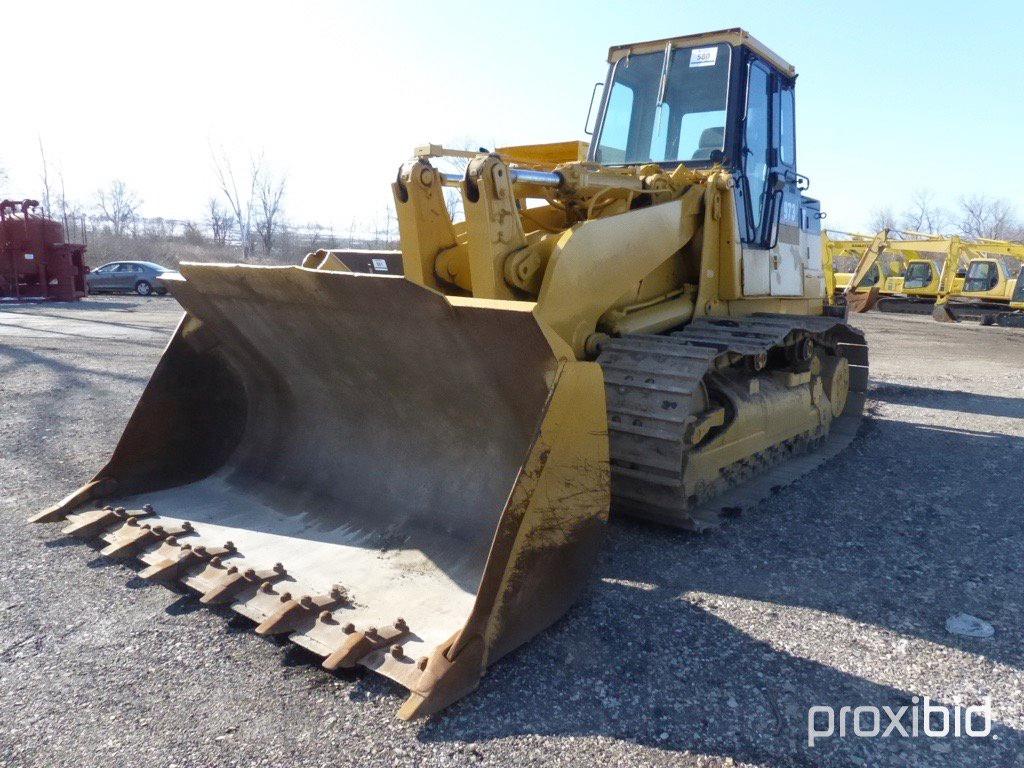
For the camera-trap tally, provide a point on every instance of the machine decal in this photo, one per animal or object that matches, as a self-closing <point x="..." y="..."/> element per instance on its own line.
<point x="703" y="57"/>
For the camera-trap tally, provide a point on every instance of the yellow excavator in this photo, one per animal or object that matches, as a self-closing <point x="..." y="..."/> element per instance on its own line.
<point x="989" y="289"/>
<point x="1014" y="318"/>
<point x="413" y="474"/>
<point x="882" y="275"/>
<point x="928" y="266"/>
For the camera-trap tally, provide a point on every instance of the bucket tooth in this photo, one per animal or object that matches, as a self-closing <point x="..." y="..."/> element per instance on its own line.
<point x="85" y="525"/>
<point x="133" y="536"/>
<point x="173" y="558"/>
<point x="305" y="610"/>
<point x="128" y="539"/>
<point x="361" y="644"/>
<point x="234" y="581"/>
<point x="60" y="510"/>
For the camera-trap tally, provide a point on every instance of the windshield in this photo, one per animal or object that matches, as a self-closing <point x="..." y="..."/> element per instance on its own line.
<point x="683" y="121"/>
<point x="919" y="275"/>
<point x="1018" y="290"/>
<point x="871" y="278"/>
<point x="981" y="276"/>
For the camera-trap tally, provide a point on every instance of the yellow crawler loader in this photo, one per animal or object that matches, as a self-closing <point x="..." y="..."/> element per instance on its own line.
<point x="413" y="474"/>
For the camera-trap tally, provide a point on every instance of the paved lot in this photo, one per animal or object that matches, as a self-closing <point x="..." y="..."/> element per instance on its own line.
<point x="685" y="650"/>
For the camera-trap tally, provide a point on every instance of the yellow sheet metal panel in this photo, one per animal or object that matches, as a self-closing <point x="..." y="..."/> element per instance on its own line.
<point x="595" y="262"/>
<point x="545" y="154"/>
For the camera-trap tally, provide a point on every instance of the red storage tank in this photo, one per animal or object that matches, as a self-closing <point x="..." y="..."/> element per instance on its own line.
<point x="35" y="262"/>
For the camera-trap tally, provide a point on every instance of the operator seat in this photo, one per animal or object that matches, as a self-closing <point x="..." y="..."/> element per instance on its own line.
<point x="710" y="140"/>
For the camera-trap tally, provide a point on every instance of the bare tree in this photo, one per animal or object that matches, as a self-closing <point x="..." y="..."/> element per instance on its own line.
<point x="45" y="179"/>
<point x="192" y="234"/>
<point x="315" y="231"/>
<point x="72" y="215"/>
<point x="257" y="211"/>
<point x="269" y="192"/>
<point x="882" y="218"/>
<point x="241" y="206"/>
<point x="982" y="216"/>
<point x="119" y="207"/>
<point x="453" y="197"/>
<point x="219" y="220"/>
<point x="385" y="230"/>
<point x="924" y="214"/>
<point x="159" y="228"/>
<point x="64" y="207"/>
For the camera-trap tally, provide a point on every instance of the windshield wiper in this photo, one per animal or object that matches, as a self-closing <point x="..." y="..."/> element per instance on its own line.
<point x="666" y="63"/>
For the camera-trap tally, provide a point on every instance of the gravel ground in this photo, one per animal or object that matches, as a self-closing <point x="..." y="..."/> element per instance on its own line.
<point x="685" y="650"/>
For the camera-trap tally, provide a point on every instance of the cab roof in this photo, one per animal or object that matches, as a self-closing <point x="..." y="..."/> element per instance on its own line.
<point x="734" y="37"/>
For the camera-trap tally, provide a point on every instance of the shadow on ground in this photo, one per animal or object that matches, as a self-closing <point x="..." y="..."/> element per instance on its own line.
<point x="637" y="661"/>
<point x="82" y="305"/>
<point x="913" y="523"/>
<point x="67" y="374"/>
<point x="949" y="400"/>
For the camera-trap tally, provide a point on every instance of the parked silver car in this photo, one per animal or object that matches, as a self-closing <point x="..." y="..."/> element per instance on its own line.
<point x="141" y="277"/>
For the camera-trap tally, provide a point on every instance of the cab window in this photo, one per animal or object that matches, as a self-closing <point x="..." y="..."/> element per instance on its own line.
<point x="666" y="107"/>
<point x="615" y="130"/>
<point x="1018" y="289"/>
<point x="871" y="278"/>
<point x="981" y="276"/>
<point x="919" y="275"/>
<point x="756" y="143"/>
<point x="787" y="126"/>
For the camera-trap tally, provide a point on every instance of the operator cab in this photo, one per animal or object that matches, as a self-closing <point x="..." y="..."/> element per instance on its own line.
<point x="1018" y="289"/>
<point x="720" y="98"/>
<point x="920" y="274"/>
<point x="982" y="276"/>
<point x="872" y="278"/>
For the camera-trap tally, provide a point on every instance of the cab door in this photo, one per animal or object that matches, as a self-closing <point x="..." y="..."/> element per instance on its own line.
<point x="753" y="190"/>
<point x="797" y="250"/>
<point x="781" y="256"/>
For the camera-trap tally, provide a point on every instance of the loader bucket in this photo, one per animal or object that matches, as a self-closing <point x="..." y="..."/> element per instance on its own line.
<point x="395" y="479"/>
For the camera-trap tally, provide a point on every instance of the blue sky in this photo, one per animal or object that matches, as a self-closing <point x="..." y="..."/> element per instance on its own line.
<point x="892" y="96"/>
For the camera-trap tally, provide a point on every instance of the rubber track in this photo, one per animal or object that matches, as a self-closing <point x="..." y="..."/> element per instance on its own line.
<point x="654" y="390"/>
